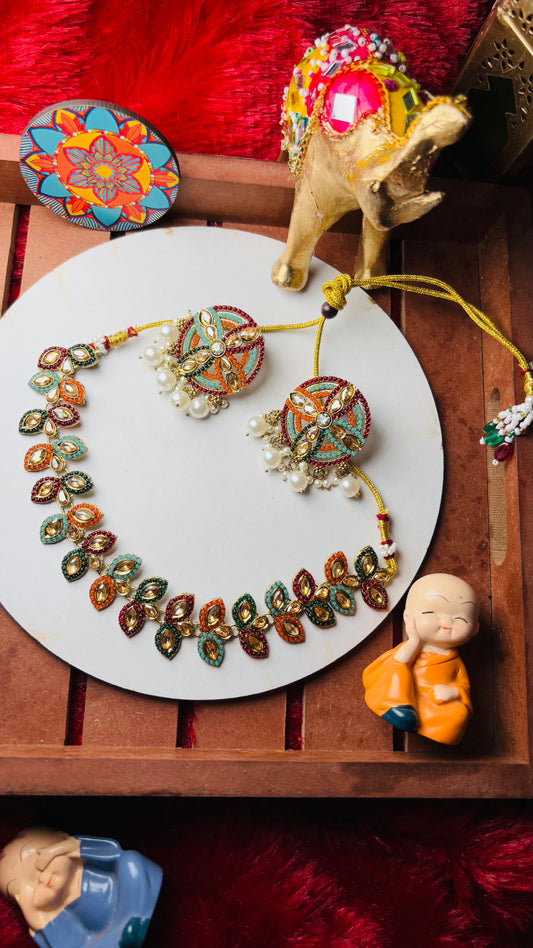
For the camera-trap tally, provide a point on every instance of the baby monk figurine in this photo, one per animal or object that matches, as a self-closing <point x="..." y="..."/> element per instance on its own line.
<point x="422" y="684"/>
<point x="79" y="891"/>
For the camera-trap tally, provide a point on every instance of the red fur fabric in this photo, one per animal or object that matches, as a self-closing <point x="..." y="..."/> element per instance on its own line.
<point x="315" y="874"/>
<point x="209" y="75"/>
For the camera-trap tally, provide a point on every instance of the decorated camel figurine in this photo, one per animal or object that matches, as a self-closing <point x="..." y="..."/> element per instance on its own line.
<point x="360" y="133"/>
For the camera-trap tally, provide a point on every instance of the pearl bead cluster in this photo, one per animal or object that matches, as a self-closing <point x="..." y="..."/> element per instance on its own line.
<point x="513" y="421"/>
<point x="182" y="394"/>
<point x="508" y="425"/>
<point x="299" y="474"/>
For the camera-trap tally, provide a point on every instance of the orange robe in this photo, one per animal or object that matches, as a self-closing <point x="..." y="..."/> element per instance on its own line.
<point x="388" y="683"/>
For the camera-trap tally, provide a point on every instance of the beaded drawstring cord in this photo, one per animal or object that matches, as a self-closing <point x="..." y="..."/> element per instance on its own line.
<point x="501" y="432"/>
<point x="201" y="360"/>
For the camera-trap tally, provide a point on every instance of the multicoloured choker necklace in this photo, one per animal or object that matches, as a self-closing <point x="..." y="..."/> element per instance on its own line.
<point x="203" y="360"/>
<point x="324" y="422"/>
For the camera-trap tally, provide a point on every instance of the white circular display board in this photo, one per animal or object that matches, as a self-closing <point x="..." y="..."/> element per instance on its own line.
<point x="191" y="496"/>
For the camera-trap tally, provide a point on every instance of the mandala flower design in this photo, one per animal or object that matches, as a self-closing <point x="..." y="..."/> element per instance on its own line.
<point x="104" y="170"/>
<point x="326" y="421"/>
<point x="219" y="351"/>
<point x="99" y="166"/>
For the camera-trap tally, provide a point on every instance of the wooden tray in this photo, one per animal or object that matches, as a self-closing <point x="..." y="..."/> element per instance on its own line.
<point x="318" y="738"/>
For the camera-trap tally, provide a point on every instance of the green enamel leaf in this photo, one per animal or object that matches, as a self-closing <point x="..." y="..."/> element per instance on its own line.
<point x="151" y="589"/>
<point x="244" y="611"/>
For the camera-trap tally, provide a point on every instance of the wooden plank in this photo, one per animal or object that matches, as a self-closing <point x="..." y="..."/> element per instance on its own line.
<point x="31" y="770"/>
<point x="335" y="714"/>
<point x="8" y="227"/>
<point x="114" y="717"/>
<point x="503" y="388"/>
<point x="256" y="723"/>
<point x="35" y="684"/>
<point x="250" y="191"/>
<point x="34" y="689"/>
<point x="51" y="241"/>
<point x="448" y="347"/>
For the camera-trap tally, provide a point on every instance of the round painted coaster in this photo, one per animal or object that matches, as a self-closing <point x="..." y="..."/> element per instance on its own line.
<point x="99" y="165"/>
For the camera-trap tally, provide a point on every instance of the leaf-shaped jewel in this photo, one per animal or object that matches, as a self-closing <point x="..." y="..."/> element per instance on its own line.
<point x="56" y="463"/>
<point x="345" y="438"/>
<point x="33" y="421"/>
<point x="63" y="415"/>
<point x="342" y="600"/>
<point x="276" y="598"/>
<point x="52" y="357"/>
<point x="294" y="608"/>
<point x="45" y="490"/>
<point x="179" y="608"/>
<point x="336" y="567"/>
<point x="352" y="582"/>
<point x="82" y="355"/>
<point x="77" y="482"/>
<point x="131" y="618"/>
<point x="167" y="641"/>
<point x="254" y="643"/>
<point x="102" y="592"/>
<point x="208" y="324"/>
<point x="230" y="377"/>
<point x="243" y="337"/>
<point x="84" y="515"/>
<point x="303" y="586"/>
<point x="244" y="611"/>
<point x="76" y="534"/>
<point x="72" y="391"/>
<point x="43" y="382"/>
<point x="290" y="629"/>
<point x="366" y="563"/>
<point x="151" y="590"/>
<point x="54" y="529"/>
<point x="341" y="400"/>
<point x="374" y="594"/>
<point x="307" y="442"/>
<point x="195" y="362"/>
<point x="52" y="396"/>
<point x="322" y="592"/>
<point x="297" y="400"/>
<point x="320" y="613"/>
<point x="152" y="611"/>
<point x="210" y="648"/>
<point x="69" y="447"/>
<point x="125" y="566"/>
<point x="99" y="541"/>
<point x="212" y="614"/>
<point x="38" y="458"/>
<point x="74" y="565"/>
<point x="305" y="404"/>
